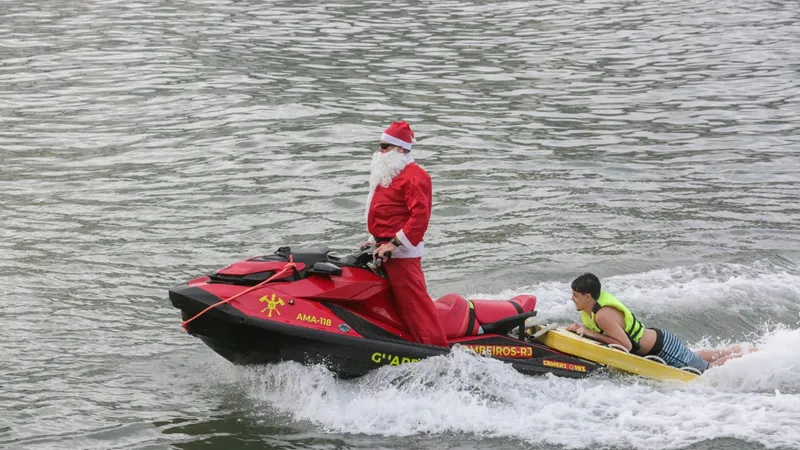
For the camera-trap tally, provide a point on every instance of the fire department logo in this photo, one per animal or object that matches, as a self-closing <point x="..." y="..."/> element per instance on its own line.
<point x="272" y="304"/>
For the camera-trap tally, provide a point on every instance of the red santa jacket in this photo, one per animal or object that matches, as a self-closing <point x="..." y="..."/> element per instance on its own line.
<point x="403" y="210"/>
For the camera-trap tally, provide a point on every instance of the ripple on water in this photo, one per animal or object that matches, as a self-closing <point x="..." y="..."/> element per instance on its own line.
<point x="143" y="143"/>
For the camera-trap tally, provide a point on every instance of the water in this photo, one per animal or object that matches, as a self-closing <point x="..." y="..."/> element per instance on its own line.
<point x="143" y="143"/>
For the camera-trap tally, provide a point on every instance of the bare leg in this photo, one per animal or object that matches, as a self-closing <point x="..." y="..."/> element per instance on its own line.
<point x="724" y="359"/>
<point x="719" y="357"/>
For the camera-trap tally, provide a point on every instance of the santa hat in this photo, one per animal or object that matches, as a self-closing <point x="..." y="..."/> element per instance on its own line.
<point x="400" y="134"/>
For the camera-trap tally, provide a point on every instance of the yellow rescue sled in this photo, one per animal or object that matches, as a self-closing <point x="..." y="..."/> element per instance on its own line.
<point x="568" y="342"/>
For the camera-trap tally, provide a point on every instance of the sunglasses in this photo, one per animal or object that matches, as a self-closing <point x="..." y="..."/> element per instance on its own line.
<point x="385" y="146"/>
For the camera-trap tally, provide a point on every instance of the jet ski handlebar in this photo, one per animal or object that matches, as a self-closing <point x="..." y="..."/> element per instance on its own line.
<point x="366" y="255"/>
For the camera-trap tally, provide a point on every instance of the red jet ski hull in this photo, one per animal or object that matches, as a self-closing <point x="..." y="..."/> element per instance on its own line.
<point x="339" y="312"/>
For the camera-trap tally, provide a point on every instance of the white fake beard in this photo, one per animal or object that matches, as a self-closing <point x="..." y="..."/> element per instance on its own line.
<point x="386" y="166"/>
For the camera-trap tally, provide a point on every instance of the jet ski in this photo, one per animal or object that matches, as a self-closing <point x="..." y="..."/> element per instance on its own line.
<point x="312" y="307"/>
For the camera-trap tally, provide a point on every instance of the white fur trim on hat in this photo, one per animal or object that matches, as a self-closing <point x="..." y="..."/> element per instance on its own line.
<point x="395" y="141"/>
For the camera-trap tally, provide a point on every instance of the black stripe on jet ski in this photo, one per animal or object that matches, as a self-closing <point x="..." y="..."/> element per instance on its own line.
<point x="471" y="322"/>
<point x="363" y="326"/>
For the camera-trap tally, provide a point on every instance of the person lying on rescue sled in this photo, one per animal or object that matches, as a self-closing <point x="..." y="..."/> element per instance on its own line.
<point x="397" y="214"/>
<point x="607" y="320"/>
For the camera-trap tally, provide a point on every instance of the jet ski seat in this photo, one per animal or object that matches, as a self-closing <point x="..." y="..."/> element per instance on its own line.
<point x="460" y="317"/>
<point x="456" y="316"/>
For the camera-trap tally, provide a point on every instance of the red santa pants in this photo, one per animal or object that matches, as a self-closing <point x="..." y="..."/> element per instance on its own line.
<point x="413" y="302"/>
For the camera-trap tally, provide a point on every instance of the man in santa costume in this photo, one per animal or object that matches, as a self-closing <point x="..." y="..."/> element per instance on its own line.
<point x="398" y="210"/>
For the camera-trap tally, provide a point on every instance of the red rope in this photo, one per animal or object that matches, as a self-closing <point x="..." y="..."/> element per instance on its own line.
<point x="288" y="267"/>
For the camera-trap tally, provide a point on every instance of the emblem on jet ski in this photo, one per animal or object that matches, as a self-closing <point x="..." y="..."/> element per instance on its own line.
<point x="272" y="304"/>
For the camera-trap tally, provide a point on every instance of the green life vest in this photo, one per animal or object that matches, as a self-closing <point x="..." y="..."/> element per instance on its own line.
<point x="633" y="328"/>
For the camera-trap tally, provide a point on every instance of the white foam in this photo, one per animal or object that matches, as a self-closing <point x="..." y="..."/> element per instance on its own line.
<point x="465" y="393"/>
<point x="775" y="366"/>
<point x="761" y="289"/>
<point x="755" y="398"/>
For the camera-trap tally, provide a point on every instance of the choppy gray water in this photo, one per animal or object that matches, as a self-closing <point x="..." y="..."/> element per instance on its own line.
<point x="142" y="143"/>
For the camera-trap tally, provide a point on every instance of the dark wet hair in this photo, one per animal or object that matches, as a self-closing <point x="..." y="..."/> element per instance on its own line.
<point x="587" y="283"/>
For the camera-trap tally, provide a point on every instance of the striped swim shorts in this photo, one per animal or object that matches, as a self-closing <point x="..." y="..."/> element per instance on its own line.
<point x="669" y="348"/>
